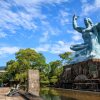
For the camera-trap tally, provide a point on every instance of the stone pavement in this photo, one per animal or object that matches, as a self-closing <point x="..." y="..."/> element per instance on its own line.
<point x="3" y="91"/>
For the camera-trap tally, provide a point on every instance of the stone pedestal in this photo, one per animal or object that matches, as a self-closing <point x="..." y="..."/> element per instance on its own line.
<point x="33" y="82"/>
<point x="89" y="69"/>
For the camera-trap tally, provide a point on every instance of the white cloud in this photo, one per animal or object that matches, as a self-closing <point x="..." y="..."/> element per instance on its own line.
<point x="55" y="48"/>
<point x="8" y="50"/>
<point x="64" y="17"/>
<point x="76" y="36"/>
<point x="10" y="20"/>
<point x="45" y="37"/>
<point x="64" y="21"/>
<point x="24" y="17"/>
<point x="43" y="48"/>
<point x="3" y="35"/>
<point x="48" y="28"/>
<point x="30" y="2"/>
<point x="89" y="8"/>
<point x="84" y="1"/>
<point x="60" y="47"/>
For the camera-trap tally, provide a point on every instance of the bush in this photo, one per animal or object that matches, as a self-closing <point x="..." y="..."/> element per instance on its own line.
<point x="53" y="81"/>
<point x="45" y="82"/>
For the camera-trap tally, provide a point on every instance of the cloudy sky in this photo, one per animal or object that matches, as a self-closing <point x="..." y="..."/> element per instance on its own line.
<point x="44" y="25"/>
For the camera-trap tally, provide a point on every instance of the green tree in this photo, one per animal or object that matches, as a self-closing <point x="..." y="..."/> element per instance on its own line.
<point x="66" y="57"/>
<point x="30" y="58"/>
<point x="25" y="59"/>
<point x="55" y="70"/>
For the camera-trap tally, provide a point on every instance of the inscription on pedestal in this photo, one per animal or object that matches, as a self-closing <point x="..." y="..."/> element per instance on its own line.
<point x="33" y="82"/>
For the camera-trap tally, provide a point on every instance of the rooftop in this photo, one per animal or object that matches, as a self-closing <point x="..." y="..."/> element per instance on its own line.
<point x="2" y="68"/>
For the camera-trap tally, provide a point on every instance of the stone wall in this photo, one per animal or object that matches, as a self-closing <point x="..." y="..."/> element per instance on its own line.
<point x="33" y="82"/>
<point x="89" y="68"/>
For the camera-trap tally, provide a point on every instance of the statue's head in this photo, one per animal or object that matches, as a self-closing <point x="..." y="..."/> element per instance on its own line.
<point x="88" y="22"/>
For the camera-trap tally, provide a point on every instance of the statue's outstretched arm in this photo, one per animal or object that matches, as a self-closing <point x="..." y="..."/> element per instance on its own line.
<point x="75" y="26"/>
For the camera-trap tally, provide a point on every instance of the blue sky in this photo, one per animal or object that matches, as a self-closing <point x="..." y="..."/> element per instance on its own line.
<point x="43" y="25"/>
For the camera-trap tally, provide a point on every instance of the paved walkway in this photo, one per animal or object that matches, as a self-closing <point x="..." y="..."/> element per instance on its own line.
<point x="3" y="91"/>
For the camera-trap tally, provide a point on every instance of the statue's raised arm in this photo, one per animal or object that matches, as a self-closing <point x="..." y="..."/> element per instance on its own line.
<point x="75" y="25"/>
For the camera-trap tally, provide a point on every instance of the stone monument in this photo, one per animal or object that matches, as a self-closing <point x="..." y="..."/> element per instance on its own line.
<point x="86" y="56"/>
<point x="33" y="82"/>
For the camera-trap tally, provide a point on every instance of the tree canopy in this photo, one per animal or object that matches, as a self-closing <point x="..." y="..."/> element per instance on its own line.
<point x="66" y="57"/>
<point x="25" y="59"/>
<point x="30" y="59"/>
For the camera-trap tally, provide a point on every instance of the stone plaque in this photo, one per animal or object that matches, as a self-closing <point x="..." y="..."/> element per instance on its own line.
<point x="33" y="82"/>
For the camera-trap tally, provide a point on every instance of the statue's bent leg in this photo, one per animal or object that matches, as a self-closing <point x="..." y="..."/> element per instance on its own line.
<point x="78" y="47"/>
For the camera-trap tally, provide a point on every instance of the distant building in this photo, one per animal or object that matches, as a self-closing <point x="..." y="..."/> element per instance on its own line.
<point x="2" y="69"/>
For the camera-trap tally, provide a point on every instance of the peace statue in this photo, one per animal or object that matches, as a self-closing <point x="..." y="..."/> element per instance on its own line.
<point x="90" y="48"/>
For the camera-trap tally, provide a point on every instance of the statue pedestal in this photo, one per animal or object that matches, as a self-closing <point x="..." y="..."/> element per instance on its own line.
<point x="89" y="69"/>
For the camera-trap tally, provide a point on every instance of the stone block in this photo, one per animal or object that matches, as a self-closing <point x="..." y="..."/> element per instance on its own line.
<point x="33" y="82"/>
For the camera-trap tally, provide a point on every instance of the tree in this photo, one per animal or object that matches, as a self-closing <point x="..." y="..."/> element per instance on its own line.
<point x="66" y="57"/>
<point x="55" y="70"/>
<point x="25" y="59"/>
<point x="30" y="58"/>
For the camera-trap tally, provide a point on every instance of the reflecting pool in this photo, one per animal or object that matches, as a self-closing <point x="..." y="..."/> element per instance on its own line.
<point x="62" y="94"/>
